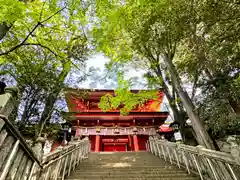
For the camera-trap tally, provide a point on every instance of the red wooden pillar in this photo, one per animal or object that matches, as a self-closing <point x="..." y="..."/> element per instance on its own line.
<point x="97" y="143"/>
<point x="135" y="142"/>
<point x="130" y="143"/>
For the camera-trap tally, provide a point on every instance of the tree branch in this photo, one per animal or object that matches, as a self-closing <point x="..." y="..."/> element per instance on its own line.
<point x="196" y="77"/>
<point x="43" y="46"/>
<point x="31" y="32"/>
<point x="19" y="45"/>
<point x="53" y="15"/>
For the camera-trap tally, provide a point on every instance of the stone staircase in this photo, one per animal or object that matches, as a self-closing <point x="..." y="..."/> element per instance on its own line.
<point x="127" y="166"/>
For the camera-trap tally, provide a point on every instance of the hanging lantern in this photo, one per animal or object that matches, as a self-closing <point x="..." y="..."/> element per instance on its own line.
<point x="116" y="131"/>
<point x="135" y="129"/>
<point x="98" y="130"/>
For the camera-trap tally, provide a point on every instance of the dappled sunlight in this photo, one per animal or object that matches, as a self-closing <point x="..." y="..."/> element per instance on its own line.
<point x="129" y="158"/>
<point x="117" y="165"/>
<point x="106" y="152"/>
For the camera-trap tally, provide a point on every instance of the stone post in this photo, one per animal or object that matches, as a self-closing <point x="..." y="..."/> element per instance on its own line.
<point x="234" y="149"/>
<point x="7" y="100"/>
<point x="38" y="147"/>
<point x="235" y="152"/>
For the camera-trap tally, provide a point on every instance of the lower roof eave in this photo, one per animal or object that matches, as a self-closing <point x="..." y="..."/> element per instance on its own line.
<point x="117" y="113"/>
<point x="118" y="118"/>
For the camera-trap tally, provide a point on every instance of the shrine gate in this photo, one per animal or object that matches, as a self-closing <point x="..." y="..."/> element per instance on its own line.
<point x="110" y="131"/>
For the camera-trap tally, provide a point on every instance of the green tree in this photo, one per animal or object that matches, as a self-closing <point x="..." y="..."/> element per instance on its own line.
<point x="209" y="58"/>
<point x="50" y="35"/>
<point x="40" y="78"/>
<point x="152" y="31"/>
<point x="40" y="23"/>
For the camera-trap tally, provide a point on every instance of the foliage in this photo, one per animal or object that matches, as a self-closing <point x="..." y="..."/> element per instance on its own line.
<point x="11" y="10"/>
<point x="134" y="37"/>
<point x="209" y="58"/>
<point x="203" y="47"/>
<point x="48" y="24"/>
<point x="43" y="42"/>
<point x="124" y="98"/>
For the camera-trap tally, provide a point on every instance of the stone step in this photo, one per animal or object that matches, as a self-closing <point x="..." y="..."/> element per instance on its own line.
<point x="131" y="172"/>
<point x="128" y="166"/>
<point x="126" y="161"/>
<point x="139" y="168"/>
<point x="170" y="167"/>
<point x="131" y="175"/>
<point x="135" y="161"/>
<point x="133" y="178"/>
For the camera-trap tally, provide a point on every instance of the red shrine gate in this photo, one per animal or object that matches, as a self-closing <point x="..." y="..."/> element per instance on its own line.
<point x="109" y="131"/>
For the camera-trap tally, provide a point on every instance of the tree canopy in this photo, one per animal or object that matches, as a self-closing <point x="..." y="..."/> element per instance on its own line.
<point x="41" y="42"/>
<point x="179" y="42"/>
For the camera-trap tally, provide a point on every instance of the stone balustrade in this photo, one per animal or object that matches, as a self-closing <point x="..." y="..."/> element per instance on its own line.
<point x="20" y="162"/>
<point x="208" y="164"/>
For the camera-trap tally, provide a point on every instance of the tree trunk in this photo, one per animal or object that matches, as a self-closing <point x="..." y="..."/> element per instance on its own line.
<point x="203" y="137"/>
<point x="29" y="108"/>
<point x="48" y="109"/>
<point x="52" y="97"/>
<point x="178" y="114"/>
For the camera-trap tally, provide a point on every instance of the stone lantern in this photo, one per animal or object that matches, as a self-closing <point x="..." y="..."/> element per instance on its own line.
<point x="67" y="132"/>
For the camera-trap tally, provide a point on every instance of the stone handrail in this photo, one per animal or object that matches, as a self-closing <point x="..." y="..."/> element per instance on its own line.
<point x="18" y="161"/>
<point x="208" y="164"/>
<point x="59" y="164"/>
